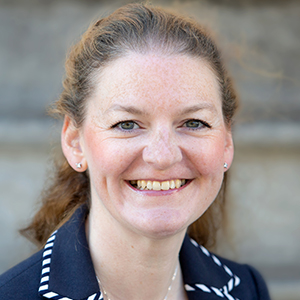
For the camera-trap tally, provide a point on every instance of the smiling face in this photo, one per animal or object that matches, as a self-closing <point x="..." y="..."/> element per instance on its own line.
<point x="155" y="142"/>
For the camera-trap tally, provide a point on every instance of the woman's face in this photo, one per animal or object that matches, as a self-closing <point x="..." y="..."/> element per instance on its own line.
<point x="155" y="143"/>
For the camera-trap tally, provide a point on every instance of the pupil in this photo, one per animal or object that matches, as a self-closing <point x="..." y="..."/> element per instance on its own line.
<point x="193" y="123"/>
<point x="127" y="125"/>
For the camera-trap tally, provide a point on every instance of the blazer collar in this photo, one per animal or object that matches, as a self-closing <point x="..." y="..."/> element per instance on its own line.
<point x="67" y="268"/>
<point x="205" y="274"/>
<point x="68" y="272"/>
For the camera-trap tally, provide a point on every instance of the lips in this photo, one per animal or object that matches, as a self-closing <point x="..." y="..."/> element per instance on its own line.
<point x="149" y="185"/>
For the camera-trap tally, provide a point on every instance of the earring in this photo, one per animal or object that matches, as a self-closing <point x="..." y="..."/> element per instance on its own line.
<point x="78" y="165"/>
<point x="225" y="165"/>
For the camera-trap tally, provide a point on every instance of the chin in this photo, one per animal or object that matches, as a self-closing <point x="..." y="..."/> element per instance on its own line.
<point x="159" y="227"/>
<point x="160" y="233"/>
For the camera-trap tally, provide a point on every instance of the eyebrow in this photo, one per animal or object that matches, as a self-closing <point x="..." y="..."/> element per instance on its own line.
<point x="136" y="111"/>
<point x="130" y="109"/>
<point x="198" y="107"/>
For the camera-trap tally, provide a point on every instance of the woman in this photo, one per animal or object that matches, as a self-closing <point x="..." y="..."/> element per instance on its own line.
<point x="147" y="110"/>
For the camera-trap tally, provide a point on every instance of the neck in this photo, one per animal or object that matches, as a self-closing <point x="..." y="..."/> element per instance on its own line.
<point x="105" y="295"/>
<point x="129" y="265"/>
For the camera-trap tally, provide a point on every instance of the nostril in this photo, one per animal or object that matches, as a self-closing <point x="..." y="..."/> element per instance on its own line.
<point x="162" y="150"/>
<point x="162" y="158"/>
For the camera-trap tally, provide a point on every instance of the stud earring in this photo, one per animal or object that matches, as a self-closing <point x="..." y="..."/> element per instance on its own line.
<point x="225" y="165"/>
<point x="78" y="165"/>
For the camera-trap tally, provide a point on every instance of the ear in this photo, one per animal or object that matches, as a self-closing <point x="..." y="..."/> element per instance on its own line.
<point x="70" y="142"/>
<point x="229" y="149"/>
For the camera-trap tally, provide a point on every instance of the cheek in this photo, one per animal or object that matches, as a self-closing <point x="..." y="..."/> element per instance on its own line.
<point x="208" y="155"/>
<point x="105" y="155"/>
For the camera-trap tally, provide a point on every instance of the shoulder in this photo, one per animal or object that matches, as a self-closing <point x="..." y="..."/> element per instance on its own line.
<point x="208" y="275"/>
<point x="22" y="281"/>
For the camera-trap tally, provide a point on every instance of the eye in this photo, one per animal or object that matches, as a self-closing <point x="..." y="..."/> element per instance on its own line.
<point x="127" y="125"/>
<point x="195" y="124"/>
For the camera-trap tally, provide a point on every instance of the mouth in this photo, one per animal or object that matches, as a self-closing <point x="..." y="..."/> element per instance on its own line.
<point x="149" y="185"/>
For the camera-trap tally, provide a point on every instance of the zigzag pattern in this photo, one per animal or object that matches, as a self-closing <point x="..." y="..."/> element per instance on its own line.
<point x="45" y="275"/>
<point x="223" y="292"/>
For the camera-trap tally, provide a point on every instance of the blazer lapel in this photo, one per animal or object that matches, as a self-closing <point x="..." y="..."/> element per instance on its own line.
<point x="205" y="276"/>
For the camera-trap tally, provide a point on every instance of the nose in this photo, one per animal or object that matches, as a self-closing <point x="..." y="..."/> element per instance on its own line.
<point x="162" y="150"/>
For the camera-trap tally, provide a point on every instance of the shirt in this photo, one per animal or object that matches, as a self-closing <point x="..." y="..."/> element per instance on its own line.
<point x="63" y="270"/>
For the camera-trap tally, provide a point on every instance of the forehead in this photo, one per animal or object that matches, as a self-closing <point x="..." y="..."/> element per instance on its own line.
<point x="155" y="80"/>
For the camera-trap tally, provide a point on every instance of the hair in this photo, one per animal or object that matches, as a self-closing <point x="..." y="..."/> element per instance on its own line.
<point x="133" y="28"/>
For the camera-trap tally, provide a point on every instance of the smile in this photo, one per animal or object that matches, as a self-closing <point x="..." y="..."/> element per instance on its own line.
<point x="149" y="185"/>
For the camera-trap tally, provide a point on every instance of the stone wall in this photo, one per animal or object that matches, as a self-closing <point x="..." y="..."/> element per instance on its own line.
<point x="260" y="41"/>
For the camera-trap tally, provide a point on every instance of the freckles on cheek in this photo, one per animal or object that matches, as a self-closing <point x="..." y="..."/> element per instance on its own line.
<point x="105" y="154"/>
<point x="96" y="154"/>
<point x="210" y="158"/>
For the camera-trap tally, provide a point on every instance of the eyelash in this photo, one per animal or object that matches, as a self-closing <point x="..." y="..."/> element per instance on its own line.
<point x="118" y="125"/>
<point x="196" y="128"/>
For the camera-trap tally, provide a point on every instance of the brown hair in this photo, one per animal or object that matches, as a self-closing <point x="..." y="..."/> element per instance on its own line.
<point x="136" y="28"/>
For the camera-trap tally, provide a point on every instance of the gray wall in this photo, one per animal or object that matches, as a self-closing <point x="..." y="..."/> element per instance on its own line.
<point x="261" y="45"/>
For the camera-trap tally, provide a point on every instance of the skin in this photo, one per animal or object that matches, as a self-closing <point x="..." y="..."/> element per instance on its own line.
<point x="174" y="130"/>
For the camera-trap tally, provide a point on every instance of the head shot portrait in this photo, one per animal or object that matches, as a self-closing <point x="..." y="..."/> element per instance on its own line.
<point x="151" y="189"/>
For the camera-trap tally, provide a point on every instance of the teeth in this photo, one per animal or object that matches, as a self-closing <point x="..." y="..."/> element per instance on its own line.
<point x="149" y="185"/>
<point x="177" y="183"/>
<point x="172" y="184"/>
<point x="157" y="186"/>
<point x="143" y="184"/>
<point x="165" y="185"/>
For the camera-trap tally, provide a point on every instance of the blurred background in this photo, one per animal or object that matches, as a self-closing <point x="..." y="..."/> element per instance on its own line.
<point x="261" y="46"/>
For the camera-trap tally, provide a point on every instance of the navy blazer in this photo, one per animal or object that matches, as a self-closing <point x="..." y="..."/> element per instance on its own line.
<point x="64" y="270"/>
